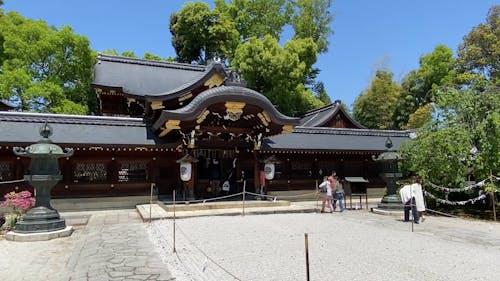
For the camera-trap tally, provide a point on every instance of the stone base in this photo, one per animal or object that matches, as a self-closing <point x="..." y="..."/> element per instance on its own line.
<point x="40" y="219"/>
<point x="387" y="212"/>
<point x="44" y="236"/>
<point x="390" y="206"/>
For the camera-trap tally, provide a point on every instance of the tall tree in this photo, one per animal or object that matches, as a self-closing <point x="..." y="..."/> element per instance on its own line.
<point x="312" y="19"/>
<point x="200" y="34"/>
<point x="478" y="61"/>
<point x="256" y="18"/>
<point x="278" y="72"/>
<point x="375" y="106"/>
<point x="419" y="87"/>
<point x="43" y="68"/>
<point x="465" y="135"/>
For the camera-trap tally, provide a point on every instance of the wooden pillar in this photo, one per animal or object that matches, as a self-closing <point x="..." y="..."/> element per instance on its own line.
<point x="256" y="170"/>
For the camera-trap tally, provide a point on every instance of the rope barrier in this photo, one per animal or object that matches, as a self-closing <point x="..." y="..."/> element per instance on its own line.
<point x="465" y="188"/>
<point x="12" y="181"/>
<point x="472" y="200"/>
<point x="207" y="200"/>
<point x="275" y="197"/>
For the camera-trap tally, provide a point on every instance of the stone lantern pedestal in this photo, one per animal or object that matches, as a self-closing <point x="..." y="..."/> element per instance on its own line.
<point x="389" y="160"/>
<point x="41" y="222"/>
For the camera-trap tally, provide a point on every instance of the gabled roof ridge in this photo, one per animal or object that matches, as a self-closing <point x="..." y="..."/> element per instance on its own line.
<point x="350" y="131"/>
<point x="316" y="110"/>
<point x="70" y="119"/>
<point x="166" y="64"/>
<point x="213" y="67"/>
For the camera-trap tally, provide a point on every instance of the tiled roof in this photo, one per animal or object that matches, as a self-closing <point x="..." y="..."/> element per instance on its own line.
<point x="320" y="116"/>
<point x="146" y="77"/>
<point x="317" y="138"/>
<point x="20" y="127"/>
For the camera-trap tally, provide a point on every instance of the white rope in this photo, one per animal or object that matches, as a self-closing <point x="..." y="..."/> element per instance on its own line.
<point x="462" y="189"/>
<point x="472" y="200"/>
<point x="282" y="196"/>
<point x="13" y="181"/>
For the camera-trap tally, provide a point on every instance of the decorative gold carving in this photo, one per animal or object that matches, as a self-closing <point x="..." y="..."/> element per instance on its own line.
<point x="98" y="90"/>
<point x="202" y="117"/>
<point x="287" y="129"/>
<point x="157" y="104"/>
<point x="130" y="100"/>
<point x="234" y="110"/>
<point x="214" y="81"/>
<point x="185" y="96"/>
<point x="264" y="117"/>
<point x="169" y="126"/>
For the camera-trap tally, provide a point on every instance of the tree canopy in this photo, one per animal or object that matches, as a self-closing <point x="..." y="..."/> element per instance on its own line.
<point x="238" y="31"/>
<point x="464" y="138"/>
<point x="374" y="107"/>
<point x="43" y="68"/>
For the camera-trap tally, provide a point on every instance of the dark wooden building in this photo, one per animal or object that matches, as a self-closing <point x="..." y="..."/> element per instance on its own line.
<point x="152" y="114"/>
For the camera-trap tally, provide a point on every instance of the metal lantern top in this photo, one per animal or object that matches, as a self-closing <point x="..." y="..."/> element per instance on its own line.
<point x="44" y="147"/>
<point x="388" y="155"/>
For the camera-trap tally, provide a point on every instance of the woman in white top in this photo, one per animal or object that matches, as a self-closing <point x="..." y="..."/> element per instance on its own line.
<point x="327" y="198"/>
<point x="416" y="188"/>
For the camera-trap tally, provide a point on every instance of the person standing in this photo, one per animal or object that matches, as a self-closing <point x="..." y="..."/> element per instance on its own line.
<point x="416" y="187"/>
<point x="408" y="199"/>
<point x="327" y="197"/>
<point x="338" y="195"/>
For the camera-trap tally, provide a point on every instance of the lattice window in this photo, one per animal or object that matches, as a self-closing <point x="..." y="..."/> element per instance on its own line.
<point x="91" y="172"/>
<point x="133" y="171"/>
<point x="6" y="171"/>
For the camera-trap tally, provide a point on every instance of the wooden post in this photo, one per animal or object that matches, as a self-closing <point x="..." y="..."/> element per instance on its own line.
<point x="493" y="197"/>
<point x="174" y="218"/>
<point x="151" y="202"/>
<point x="317" y="197"/>
<point x="307" y="256"/>
<point x="244" y="190"/>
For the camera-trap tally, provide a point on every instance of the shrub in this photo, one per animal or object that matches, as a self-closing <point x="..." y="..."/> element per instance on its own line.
<point x="19" y="203"/>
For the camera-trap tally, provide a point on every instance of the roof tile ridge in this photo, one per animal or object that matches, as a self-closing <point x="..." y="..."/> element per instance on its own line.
<point x="350" y="131"/>
<point x="165" y="64"/>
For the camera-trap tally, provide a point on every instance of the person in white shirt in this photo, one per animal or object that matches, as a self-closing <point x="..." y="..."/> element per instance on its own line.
<point x="416" y="187"/>
<point x="408" y="199"/>
<point x="327" y="198"/>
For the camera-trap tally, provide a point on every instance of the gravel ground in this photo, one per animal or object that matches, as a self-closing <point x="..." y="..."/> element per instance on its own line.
<point x="354" y="245"/>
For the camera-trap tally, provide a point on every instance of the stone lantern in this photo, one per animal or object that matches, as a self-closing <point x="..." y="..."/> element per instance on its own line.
<point x="43" y="176"/>
<point x="389" y="160"/>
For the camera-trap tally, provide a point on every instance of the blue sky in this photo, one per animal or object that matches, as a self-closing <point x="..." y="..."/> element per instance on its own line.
<point x="367" y="33"/>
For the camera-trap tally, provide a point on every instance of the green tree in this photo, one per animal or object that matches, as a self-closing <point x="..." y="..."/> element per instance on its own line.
<point x="478" y="61"/>
<point x="374" y="107"/>
<point x="442" y="150"/>
<point x="278" y="72"/>
<point x="256" y="18"/>
<point x="320" y="92"/>
<point x="312" y="19"/>
<point x="419" y="87"/>
<point x="43" y="68"/>
<point x="200" y="34"/>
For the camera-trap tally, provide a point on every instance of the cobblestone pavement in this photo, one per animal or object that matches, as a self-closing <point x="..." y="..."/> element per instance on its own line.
<point x="353" y="245"/>
<point x="114" y="245"/>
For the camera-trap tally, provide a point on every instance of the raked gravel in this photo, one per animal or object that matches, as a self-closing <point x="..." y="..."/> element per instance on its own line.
<point x="354" y="245"/>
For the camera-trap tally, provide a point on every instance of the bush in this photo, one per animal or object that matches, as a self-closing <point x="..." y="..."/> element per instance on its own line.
<point x="19" y="203"/>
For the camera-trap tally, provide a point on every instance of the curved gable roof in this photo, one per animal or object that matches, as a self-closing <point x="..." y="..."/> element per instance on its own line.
<point x="321" y="116"/>
<point x="151" y="79"/>
<point x="224" y="94"/>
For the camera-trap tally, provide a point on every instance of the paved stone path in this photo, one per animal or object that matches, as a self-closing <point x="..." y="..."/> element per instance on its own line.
<point x="114" y="245"/>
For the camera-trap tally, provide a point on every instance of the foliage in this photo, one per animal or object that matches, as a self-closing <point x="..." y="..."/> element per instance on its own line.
<point x="258" y="60"/>
<point x="44" y="69"/>
<point x="419" y="87"/>
<point x="256" y="18"/>
<point x="420" y="117"/>
<point x="312" y="19"/>
<point x="320" y="93"/>
<point x="20" y="203"/>
<point x="445" y="151"/>
<point x="375" y="106"/>
<point x="232" y="30"/>
<point x="200" y="34"/>
<point x="478" y="61"/>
